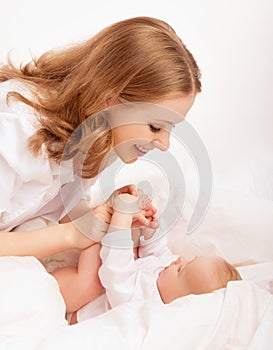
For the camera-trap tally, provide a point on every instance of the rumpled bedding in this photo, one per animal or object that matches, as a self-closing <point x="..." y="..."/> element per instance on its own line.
<point x="237" y="226"/>
<point x="33" y="316"/>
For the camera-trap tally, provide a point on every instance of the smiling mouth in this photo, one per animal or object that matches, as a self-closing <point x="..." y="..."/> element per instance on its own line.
<point x="141" y="151"/>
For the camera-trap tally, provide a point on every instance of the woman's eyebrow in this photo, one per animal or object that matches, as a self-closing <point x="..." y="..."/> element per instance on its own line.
<point x="163" y="123"/>
<point x="166" y="122"/>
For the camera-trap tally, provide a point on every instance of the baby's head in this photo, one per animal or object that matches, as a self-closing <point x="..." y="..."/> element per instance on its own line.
<point x="203" y="274"/>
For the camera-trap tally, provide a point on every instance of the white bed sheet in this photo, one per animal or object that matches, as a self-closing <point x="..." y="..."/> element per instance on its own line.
<point x="240" y="317"/>
<point x="32" y="316"/>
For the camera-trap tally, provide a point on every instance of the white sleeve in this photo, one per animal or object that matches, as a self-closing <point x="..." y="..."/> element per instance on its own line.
<point x="155" y="246"/>
<point x="7" y="185"/>
<point x="27" y="183"/>
<point x="25" y="180"/>
<point x="118" y="270"/>
<point x="15" y="167"/>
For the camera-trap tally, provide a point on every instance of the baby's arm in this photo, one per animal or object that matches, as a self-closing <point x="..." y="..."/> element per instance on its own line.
<point x="156" y="246"/>
<point x="82" y="284"/>
<point x="118" y="270"/>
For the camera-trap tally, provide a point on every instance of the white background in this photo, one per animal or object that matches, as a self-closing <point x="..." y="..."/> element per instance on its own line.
<point x="232" y="42"/>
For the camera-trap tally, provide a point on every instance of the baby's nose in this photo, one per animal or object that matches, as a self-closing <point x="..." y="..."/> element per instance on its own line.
<point x="178" y="260"/>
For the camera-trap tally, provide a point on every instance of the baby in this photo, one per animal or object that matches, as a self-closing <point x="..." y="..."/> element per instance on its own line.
<point x="113" y="271"/>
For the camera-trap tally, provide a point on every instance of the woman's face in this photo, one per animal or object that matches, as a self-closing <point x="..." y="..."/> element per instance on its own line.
<point x="138" y="128"/>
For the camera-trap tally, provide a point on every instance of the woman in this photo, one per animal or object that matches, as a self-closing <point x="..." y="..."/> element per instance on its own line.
<point x="45" y="103"/>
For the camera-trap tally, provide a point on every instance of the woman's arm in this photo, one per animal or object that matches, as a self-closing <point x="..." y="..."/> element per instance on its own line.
<point x="57" y="238"/>
<point x="43" y="242"/>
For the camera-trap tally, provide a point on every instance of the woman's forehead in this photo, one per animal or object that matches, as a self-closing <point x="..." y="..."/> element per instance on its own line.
<point x="142" y="112"/>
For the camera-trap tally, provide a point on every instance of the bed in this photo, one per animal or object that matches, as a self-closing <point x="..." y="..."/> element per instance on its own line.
<point x="238" y="225"/>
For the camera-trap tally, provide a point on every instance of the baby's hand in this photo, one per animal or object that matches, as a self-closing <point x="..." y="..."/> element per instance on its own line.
<point x="150" y="211"/>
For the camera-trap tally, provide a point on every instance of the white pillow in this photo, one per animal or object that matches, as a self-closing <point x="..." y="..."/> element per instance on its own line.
<point x="239" y="221"/>
<point x="238" y="224"/>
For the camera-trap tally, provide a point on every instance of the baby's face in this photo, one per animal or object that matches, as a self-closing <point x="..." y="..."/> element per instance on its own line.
<point x="197" y="276"/>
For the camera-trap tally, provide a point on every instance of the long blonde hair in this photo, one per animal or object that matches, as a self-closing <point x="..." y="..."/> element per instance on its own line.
<point x="138" y="59"/>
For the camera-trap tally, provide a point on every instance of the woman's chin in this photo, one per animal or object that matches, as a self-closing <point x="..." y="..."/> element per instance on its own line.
<point x="130" y="161"/>
<point x="127" y="158"/>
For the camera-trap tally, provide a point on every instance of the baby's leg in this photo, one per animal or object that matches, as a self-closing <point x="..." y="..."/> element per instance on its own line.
<point x="81" y="285"/>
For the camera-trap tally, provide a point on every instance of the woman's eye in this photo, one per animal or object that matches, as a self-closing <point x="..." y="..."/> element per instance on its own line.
<point x="154" y="128"/>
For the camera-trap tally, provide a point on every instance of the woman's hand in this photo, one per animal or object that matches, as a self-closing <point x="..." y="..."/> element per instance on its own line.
<point x="136" y="213"/>
<point x="103" y="212"/>
<point x="93" y="224"/>
<point x="140" y="209"/>
<point x="144" y="202"/>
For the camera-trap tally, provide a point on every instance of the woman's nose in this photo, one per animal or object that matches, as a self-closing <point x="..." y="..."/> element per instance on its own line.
<point x="162" y="142"/>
